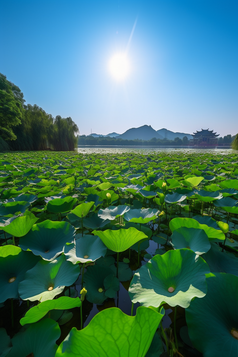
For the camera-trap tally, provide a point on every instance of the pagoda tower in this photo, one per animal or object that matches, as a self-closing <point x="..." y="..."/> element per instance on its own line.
<point x="205" y="138"/>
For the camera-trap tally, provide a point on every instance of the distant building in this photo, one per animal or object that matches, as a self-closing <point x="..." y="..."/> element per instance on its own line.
<point x="205" y="138"/>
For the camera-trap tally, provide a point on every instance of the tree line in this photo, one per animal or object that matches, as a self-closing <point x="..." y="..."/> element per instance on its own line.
<point x="29" y="127"/>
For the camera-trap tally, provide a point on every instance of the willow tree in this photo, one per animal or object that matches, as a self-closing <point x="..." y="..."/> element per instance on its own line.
<point x="234" y="144"/>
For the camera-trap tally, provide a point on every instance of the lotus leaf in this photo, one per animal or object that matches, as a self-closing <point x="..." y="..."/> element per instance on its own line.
<point x="20" y="226"/>
<point x="94" y="222"/>
<point x="82" y="209"/>
<point x="213" y="321"/>
<point x="174" y="198"/>
<point x="13" y="265"/>
<point x="209" y="221"/>
<point x="193" y="181"/>
<point x="192" y="238"/>
<point x="61" y="205"/>
<point x="124" y="271"/>
<point x="212" y="233"/>
<point x="117" y="335"/>
<point x="37" y="340"/>
<point x="147" y="194"/>
<point x="113" y="212"/>
<point x="228" y="204"/>
<point x="230" y="184"/>
<point x="48" y="238"/>
<point x="85" y="249"/>
<point x="175" y="278"/>
<point x="37" y="312"/>
<point x="13" y="207"/>
<point x="121" y="239"/>
<point x="207" y="196"/>
<point x="48" y="279"/>
<point x="141" y="215"/>
<point x="5" y="343"/>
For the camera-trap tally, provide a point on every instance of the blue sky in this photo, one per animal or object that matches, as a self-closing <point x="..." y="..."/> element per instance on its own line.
<point x="183" y="56"/>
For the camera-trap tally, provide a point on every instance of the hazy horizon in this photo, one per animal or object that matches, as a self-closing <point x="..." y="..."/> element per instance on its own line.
<point x="181" y="71"/>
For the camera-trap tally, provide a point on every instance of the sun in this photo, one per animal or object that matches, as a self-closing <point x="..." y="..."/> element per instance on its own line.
<point x="119" y="66"/>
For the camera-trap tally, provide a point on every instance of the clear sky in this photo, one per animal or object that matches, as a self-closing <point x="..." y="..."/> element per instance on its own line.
<point x="183" y="57"/>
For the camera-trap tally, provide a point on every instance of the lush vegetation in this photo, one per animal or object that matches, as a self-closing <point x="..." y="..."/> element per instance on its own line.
<point x="27" y="127"/>
<point x="128" y="238"/>
<point x="90" y="140"/>
<point x="235" y="143"/>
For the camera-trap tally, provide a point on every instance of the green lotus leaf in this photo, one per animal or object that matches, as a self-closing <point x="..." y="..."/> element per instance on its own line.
<point x="104" y="186"/>
<point x="20" y="226"/>
<point x="173" y="183"/>
<point x="48" y="238"/>
<point x="48" y="279"/>
<point x="192" y="238"/>
<point x="207" y="196"/>
<point x="229" y="192"/>
<point x="141" y="215"/>
<point x="13" y="265"/>
<point x="106" y="261"/>
<point x="36" y="340"/>
<point x="113" y="212"/>
<point x="228" y="204"/>
<point x="221" y="262"/>
<point x="174" y="198"/>
<point x="5" y="343"/>
<point x="26" y="198"/>
<point x="117" y="335"/>
<point x="193" y="181"/>
<point x="82" y="209"/>
<point x="112" y="285"/>
<point x="213" y="321"/>
<point x="224" y="226"/>
<point x="156" y="348"/>
<point x="61" y="205"/>
<point x="85" y="249"/>
<point x="147" y="194"/>
<point x="121" y="239"/>
<point x="212" y="233"/>
<point x="141" y="228"/>
<point x="209" y="221"/>
<point x="94" y="222"/>
<point x="13" y="207"/>
<point x="95" y="199"/>
<point x="124" y="271"/>
<point x="37" y="312"/>
<point x="175" y="278"/>
<point x="94" y="283"/>
<point x="230" y="184"/>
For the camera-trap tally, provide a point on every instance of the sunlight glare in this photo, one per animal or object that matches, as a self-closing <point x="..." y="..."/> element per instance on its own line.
<point x="119" y="66"/>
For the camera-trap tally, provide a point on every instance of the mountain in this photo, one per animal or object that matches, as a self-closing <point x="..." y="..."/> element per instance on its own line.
<point x="145" y="132"/>
<point x="170" y="135"/>
<point x="111" y="135"/>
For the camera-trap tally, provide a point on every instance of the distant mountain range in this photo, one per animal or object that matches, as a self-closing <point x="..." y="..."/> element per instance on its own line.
<point x="145" y="132"/>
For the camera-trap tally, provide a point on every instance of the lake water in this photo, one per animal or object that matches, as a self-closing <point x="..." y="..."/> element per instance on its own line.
<point x="149" y="150"/>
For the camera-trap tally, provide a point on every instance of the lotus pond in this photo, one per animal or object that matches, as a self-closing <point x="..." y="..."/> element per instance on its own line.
<point x="125" y="254"/>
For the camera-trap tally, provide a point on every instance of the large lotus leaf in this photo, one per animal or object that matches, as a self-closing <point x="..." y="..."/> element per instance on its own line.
<point x="124" y="271"/>
<point x="230" y="184"/>
<point x="25" y="197"/>
<point x="228" y="204"/>
<point x="48" y="279"/>
<point x="212" y="233"/>
<point x="121" y="239"/>
<point x="94" y="283"/>
<point x="221" y="262"/>
<point x="112" y="212"/>
<point x="85" y="249"/>
<point x="192" y="238"/>
<point x="5" y="343"/>
<point x="156" y="348"/>
<point x="142" y="228"/>
<point x="20" y="226"/>
<point x="213" y="321"/>
<point x="95" y="199"/>
<point x="175" y="278"/>
<point x="48" y="238"/>
<point x="13" y="265"/>
<point x="13" y="207"/>
<point x="37" y="312"/>
<point x="229" y="192"/>
<point x="207" y="196"/>
<point x="61" y="205"/>
<point x="82" y="209"/>
<point x="111" y="333"/>
<point x="112" y="285"/>
<point x="147" y="194"/>
<point x="174" y="198"/>
<point x="209" y="221"/>
<point x="141" y="215"/>
<point x="94" y="222"/>
<point x="37" y="340"/>
<point x="193" y="181"/>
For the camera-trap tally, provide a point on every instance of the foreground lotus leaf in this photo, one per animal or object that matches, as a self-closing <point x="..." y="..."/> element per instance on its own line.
<point x="221" y="262"/>
<point x="121" y="239"/>
<point x="211" y="232"/>
<point x="85" y="249"/>
<point x="141" y="215"/>
<point x="124" y="271"/>
<point x="37" y="340"/>
<point x="175" y="278"/>
<point x="5" y="343"/>
<point x="207" y="196"/>
<point x="228" y="204"/>
<point x="48" y="279"/>
<point x="37" y="312"/>
<point x="111" y="333"/>
<point x="20" y="226"/>
<point x="82" y="209"/>
<point x="193" y="181"/>
<point x="174" y="198"/>
<point x="13" y="265"/>
<point x="113" y="212"/>
<point x="13" y="207"/>
<point x="213" y="321"/>
<point x="192" y="238"/>
<point x="61" y="205"/>
<point x="48" y="238"/>
<point x="96" y="282"/>
<point x="94" y="222"/>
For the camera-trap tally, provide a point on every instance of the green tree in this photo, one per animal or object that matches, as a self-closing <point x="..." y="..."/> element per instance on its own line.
<point x="234" y="144"/>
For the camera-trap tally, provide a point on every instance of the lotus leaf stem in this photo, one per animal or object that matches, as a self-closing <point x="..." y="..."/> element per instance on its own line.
<point x="117" y="262"/>
<point x="82" y="225"/>
<point x="164" y="336"/>
<point x="12" y="313"/>
<point x="132" y="308"/>
<point x="81" y="316"/>
<point x="175" y="332"/>
<point x="13" y="240"/>
<point x="82" y="274"/>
